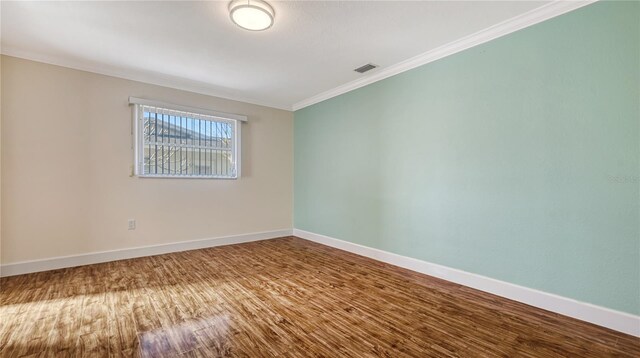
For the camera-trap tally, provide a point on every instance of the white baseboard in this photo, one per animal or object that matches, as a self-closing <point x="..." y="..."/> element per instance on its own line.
<point x="619" y="321"/>
<point x="616" y="320"/>
<point x="23" y="267"/>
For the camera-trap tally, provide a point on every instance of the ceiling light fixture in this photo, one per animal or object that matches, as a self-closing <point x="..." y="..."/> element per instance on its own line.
<point x="253" y="15"/>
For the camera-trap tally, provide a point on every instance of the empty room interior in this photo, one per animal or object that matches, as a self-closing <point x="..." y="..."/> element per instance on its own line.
<point x="260" y="178"/>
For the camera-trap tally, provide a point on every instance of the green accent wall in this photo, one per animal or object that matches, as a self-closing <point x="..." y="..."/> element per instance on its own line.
<point x="518" y="159"/>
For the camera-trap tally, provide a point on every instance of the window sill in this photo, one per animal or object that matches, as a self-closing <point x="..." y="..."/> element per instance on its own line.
<point x="147" y="176"/>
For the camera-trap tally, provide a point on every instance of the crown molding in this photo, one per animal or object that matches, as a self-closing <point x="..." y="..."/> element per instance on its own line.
<point x="516" y="23"/>
<point x="506" y="27"/>
<point x="139" y="76"/>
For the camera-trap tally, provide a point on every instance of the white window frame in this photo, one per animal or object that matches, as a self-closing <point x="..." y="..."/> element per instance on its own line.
<point x="138" y="136"/>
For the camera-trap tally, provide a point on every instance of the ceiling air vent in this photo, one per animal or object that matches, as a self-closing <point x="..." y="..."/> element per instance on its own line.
<point x="365" y="68"/>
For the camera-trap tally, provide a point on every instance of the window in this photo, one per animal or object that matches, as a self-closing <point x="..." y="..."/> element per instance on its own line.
<point x="180" y="142"/>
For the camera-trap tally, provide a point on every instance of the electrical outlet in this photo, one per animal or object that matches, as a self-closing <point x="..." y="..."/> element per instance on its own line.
<point x="132" y="224"/>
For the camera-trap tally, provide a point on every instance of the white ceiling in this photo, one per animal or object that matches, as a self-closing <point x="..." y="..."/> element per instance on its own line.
<point x="313" y="46"/>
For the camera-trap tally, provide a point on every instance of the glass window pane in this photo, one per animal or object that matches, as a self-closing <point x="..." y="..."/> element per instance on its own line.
<point x="177" y="143"/>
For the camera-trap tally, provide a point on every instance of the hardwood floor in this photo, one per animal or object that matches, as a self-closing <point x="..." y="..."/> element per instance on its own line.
<point x="278" y="298"/>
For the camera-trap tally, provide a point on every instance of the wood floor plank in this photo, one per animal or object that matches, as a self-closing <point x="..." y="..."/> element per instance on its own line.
<point x="277" y="298"/>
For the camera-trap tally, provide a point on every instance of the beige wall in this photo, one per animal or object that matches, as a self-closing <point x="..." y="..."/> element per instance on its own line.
<point x="66" y="163"/>
<point x="1" y="159"/>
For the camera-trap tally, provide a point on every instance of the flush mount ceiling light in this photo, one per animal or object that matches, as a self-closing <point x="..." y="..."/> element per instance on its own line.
<point x="253" y="15"/>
